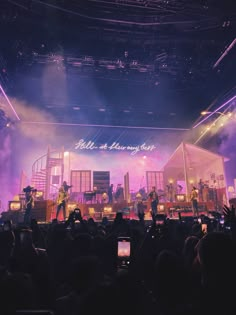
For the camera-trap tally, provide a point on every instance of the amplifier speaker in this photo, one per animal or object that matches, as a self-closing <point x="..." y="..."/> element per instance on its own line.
<point x="101" y="180"/>
<point x="42" y="210"/>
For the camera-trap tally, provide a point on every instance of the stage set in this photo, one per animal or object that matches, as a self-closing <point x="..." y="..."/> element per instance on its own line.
<point x="45" y="211"/>
<point x="188" y="166"/>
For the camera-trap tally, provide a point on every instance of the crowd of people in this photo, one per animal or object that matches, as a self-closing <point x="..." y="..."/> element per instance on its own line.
<point x="72" y="267"/>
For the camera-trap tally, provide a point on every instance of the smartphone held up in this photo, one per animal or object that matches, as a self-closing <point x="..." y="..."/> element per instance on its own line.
<point x="123" y="251"/>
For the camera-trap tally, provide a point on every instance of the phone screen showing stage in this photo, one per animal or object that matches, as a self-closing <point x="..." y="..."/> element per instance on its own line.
<point x="123" y="248"/>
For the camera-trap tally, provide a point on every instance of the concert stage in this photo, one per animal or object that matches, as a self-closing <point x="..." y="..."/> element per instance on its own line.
<point x="45" y="211"/>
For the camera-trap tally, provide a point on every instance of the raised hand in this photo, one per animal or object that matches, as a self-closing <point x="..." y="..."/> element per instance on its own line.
<point x="230" y="218"/>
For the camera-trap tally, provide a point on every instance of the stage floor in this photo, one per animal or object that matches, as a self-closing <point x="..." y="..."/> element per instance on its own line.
<point x="45" y="211"/>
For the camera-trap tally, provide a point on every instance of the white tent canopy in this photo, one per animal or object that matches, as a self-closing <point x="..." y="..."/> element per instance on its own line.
<point x="189" y="163"/>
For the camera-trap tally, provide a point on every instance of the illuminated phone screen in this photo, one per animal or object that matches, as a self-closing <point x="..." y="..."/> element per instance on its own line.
<point x="123" y="248"/>
<point x="204" y="228"/>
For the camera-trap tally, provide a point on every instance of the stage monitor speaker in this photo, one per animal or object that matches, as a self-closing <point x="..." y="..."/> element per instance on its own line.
<point x="101" y="181"/>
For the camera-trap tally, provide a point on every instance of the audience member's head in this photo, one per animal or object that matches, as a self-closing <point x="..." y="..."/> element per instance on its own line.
<point x="7" y="242"/>
<point x="189" y="250"/>
<point x="169" y="273"/>
<point x="216" y="254"/>
<point x="85" y="273"/>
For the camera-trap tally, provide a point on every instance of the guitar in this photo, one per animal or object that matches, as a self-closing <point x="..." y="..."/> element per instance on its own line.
<point x="153" y="196"/>
<point x="61" y="198"/>
<point x="29" y="202"/>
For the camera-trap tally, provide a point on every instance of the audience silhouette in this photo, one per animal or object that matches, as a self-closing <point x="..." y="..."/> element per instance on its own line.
<point x="72" y="267"/>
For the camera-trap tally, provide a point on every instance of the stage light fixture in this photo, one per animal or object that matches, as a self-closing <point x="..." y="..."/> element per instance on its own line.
<point x="107" y="209"/>
<point x="14" y="205"/>
<point x="161" y="208"/>
<point x="180" y="197"/>
<point x="71" y="206"/>
<point x="91" y="211"/>
<point x="231" y="189"/>
<point x="39" y="195"/>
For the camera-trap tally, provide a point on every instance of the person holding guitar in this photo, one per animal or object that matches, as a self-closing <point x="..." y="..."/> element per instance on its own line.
<point x="154" y="199"/>
<point x="61" y="201"/>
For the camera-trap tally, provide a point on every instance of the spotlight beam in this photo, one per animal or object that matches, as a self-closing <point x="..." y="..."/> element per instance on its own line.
<point x="18" y="5"/>
<point x="212" y="124"/>
<point x="113" y="20"/>
<point x="215" y="111"/>
<point x="225" y="53"/>
<point x="102" y="126"/>
<point x="9" y="103"/>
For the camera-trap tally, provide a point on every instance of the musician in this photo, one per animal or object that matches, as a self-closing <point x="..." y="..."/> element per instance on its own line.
<point x="200" y="190"/>
<point x="179" y="189"/>
<point x="170" y="192"/>
<point x="61" y="201"/>
<point x="153" y="197"/>
<point x="119" y="195"/>
<point x="194" y="200"/>
<point x="66" y="187"/>
<point x="205" y="193"/>
<point x="104" y="197"/>
<point x="29" y="203"/>
<point x="141" y="210"/>
<point x="110" y="194"/>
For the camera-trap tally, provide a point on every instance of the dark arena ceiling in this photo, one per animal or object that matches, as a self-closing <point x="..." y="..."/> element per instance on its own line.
<point x="144" y="63"/>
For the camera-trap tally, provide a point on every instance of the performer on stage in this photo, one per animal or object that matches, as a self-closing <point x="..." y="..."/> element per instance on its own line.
<point x="194" y="200"/>
<point x="140" y="210"/>
<point x="119" y="195"/>
<point x="61" y="201"/>
<point x="170" y="192"/>
<point x="66" y="187"/>
<point x="29" y="203"/>
<point x="153" y="197"/>
<point x="110" y="194"/>
<point x="179" y="189"/>
<point x="104" y="197"/>
<point x="205" y="193"/>
<point x="200" y="190"/>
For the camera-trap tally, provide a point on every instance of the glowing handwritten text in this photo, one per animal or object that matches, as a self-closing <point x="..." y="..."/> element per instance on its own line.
<point x="90" y="145"/>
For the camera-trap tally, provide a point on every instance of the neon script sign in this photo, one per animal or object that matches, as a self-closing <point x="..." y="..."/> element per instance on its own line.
<point x="90" y="145"/>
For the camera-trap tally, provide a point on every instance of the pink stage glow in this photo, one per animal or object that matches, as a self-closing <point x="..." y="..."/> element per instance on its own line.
<point x="32" y="143"/>
<point x="118" y="164"/>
